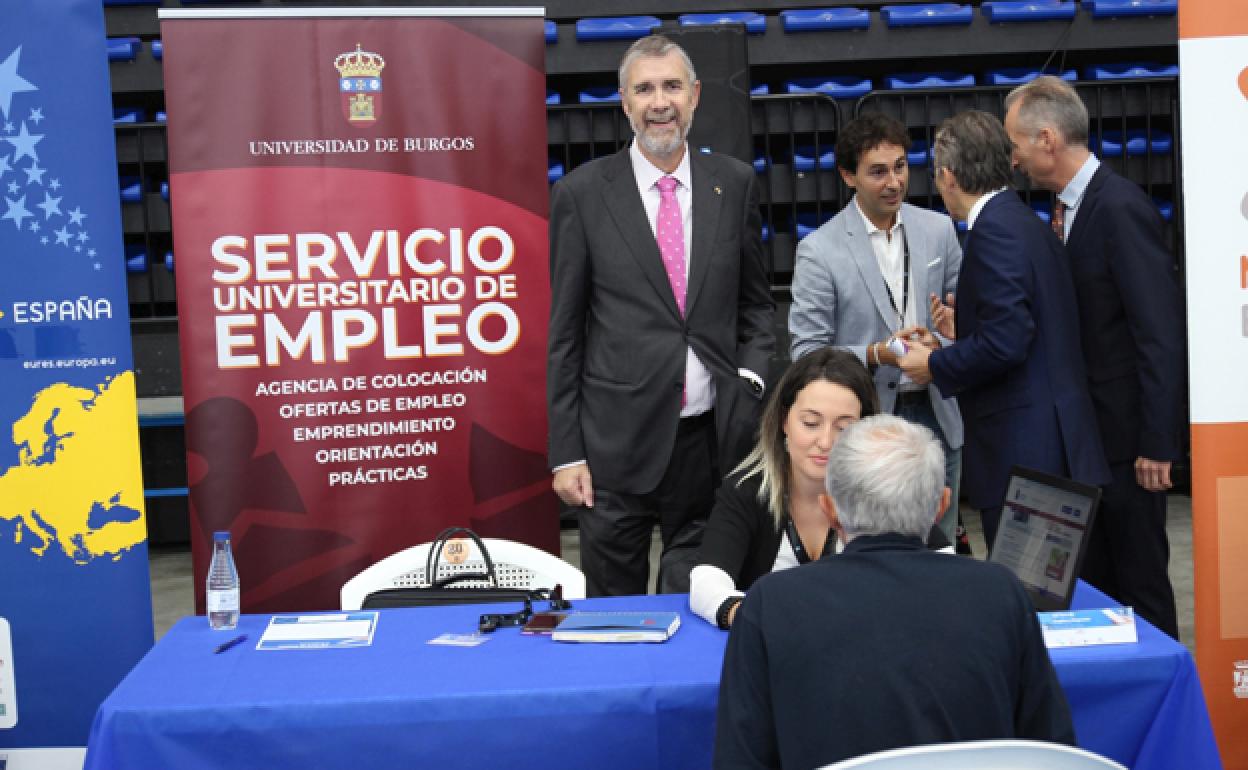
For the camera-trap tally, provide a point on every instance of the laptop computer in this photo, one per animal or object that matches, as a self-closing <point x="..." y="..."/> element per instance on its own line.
<point x="1043" y="534"/>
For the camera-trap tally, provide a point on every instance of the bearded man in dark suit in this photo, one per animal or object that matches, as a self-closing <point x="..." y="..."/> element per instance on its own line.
<point x="660" y="330"/>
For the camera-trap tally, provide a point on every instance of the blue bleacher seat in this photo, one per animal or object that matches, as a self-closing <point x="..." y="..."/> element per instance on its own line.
<point x="123" y="48"/>
<point x="169" y="261"/>
<point x="755" y="23"/>
<point x="136" y="258"/>
<point x="918" y="153"/>
<point x="554" y="171"/>
<point x="616" y="28"/>
<point x="552" y="32"/>
<point x="1165" y="208"/>
<point x="161" y="116"/>
<point x="1043" y="209"/>
<point x="552" y="97"/>
<point x="762" y="89"/>
<point x="1016" y="76"/>
<point x="131" y="189"/>
<point x="837" y="87"/>
<point x="164" y="190"/>
<point x="928" y="80"/>
<point x="926" y="15"/>
<point x="599" y="94"/>
<point x="766" y="233"/>
<point x="819" y="19"/>
<point x="804" y="158"/>
<point x="167" y="491"/>
<point x="128" y="115"/>
<point x="1125" y="70"/>
<point x="158" y="50"/>
<point x="1104" y="9"/>
<point x="1138" y="142"/>
<point x="807" y="223"/>
<point x="131" y="2"/>
<point x="1028" y="10"/>
<point x="760" y="163"/>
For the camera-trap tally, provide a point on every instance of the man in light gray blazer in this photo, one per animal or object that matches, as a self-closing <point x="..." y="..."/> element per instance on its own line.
<point x="880" y="266"/>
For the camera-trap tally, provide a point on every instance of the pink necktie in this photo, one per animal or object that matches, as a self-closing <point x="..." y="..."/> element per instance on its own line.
<point x="670" y="233"/>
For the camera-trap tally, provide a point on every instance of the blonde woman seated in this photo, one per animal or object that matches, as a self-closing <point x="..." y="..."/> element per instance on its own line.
<point x="766" y="515"/>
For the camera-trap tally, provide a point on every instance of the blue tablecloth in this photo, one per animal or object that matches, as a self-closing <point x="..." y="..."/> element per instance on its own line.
<point x="520" y="702"/>
<point x="1140" y="704"/>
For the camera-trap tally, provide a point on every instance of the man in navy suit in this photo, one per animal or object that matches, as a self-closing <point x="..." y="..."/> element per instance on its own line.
<point x="1016" y="366"/>
<point x="1131" y="318"/>
<point x="660" y="329"/>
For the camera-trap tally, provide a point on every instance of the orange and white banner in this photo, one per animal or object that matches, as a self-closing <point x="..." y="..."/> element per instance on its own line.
<point x="1213" y="59"/>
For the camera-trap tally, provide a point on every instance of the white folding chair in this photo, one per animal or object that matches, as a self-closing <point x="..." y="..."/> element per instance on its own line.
<point x="981" y="755"/>
<point x="517" y="566"/>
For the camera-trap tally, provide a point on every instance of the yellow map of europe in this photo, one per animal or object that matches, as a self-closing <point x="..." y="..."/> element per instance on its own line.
<point x="76" y="486"/>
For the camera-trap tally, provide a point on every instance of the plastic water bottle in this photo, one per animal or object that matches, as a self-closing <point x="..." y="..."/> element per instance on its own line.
<point x="222" y="593"/>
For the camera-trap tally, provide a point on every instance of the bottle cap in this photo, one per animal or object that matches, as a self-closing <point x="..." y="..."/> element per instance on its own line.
<point x="222" y="535"/>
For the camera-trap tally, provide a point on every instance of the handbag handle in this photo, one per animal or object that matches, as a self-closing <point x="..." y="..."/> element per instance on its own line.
<point x="434" y="557"/>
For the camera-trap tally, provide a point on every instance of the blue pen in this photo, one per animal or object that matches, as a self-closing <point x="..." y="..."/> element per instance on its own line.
<point x="227" y="645"/>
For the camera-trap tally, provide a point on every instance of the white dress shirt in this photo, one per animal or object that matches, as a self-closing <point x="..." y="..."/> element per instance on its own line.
<point x="973" y="214"/>
<point x="699" y="387"/>
<point x="1072" y="195"/>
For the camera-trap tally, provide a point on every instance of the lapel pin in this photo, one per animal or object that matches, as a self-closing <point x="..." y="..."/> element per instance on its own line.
<point x="719" y="190"/>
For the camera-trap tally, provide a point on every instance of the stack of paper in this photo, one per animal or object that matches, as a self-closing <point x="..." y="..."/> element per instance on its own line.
<point x="1080" y="628"/>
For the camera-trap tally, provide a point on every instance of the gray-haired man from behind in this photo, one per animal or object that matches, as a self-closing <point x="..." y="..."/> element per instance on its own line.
<point x="848" y="656"/>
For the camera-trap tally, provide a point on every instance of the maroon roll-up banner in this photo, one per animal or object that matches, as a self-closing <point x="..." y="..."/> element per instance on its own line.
<point x="359" y="206"/>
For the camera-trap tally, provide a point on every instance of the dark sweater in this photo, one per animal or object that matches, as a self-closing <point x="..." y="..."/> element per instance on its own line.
<point x="851" y="655"/>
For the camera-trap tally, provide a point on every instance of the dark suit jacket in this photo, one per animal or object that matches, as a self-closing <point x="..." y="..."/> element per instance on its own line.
<point x="851" y="654"/>
<point x="616" y="364"/>
<point x="1130" y="317"/>
<point x="1016" y="366"/>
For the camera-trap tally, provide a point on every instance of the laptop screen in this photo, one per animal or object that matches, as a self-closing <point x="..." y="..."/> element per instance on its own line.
<point x="1043" y="534"/>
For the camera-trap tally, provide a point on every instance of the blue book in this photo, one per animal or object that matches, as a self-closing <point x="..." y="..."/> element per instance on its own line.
<point x="617" y="627"/>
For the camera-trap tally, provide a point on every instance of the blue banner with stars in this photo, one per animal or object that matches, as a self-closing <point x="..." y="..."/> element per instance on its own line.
<point x="75" y="606"/>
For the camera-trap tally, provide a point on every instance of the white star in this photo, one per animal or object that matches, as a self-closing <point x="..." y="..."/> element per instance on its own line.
<point x="36" y="115"/>
<point x="4" y="165"/>
<point x="9" y="128"/>
<point x="34" y="226"/>
<point x="11" y="83"/>
<point x="44" y="240"/>
<point x="13" y="188"/>
<point x="62" y="236"/>
<point x="17" y="211"/>
<point x="97" y="265"/>
<point x="90" y="252"/>
<point x="76" y="216"/>
<point x="49" y="206"/>
<point x="78" y="248"/>
<point x="54" y="185"/>
<point x="83" y="237"/>
<point x="34" y="174"/>
<point x="25" y="143"/>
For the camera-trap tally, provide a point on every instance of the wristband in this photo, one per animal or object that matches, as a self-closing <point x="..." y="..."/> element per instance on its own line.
<point x="721" y="615"/>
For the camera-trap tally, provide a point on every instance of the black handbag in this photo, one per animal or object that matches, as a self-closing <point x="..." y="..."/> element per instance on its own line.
<point x="437" y="592"/>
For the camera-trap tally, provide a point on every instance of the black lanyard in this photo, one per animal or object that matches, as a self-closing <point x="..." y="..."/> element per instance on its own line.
<point x="795" y="540"/>
<point x="905" y="282"/>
